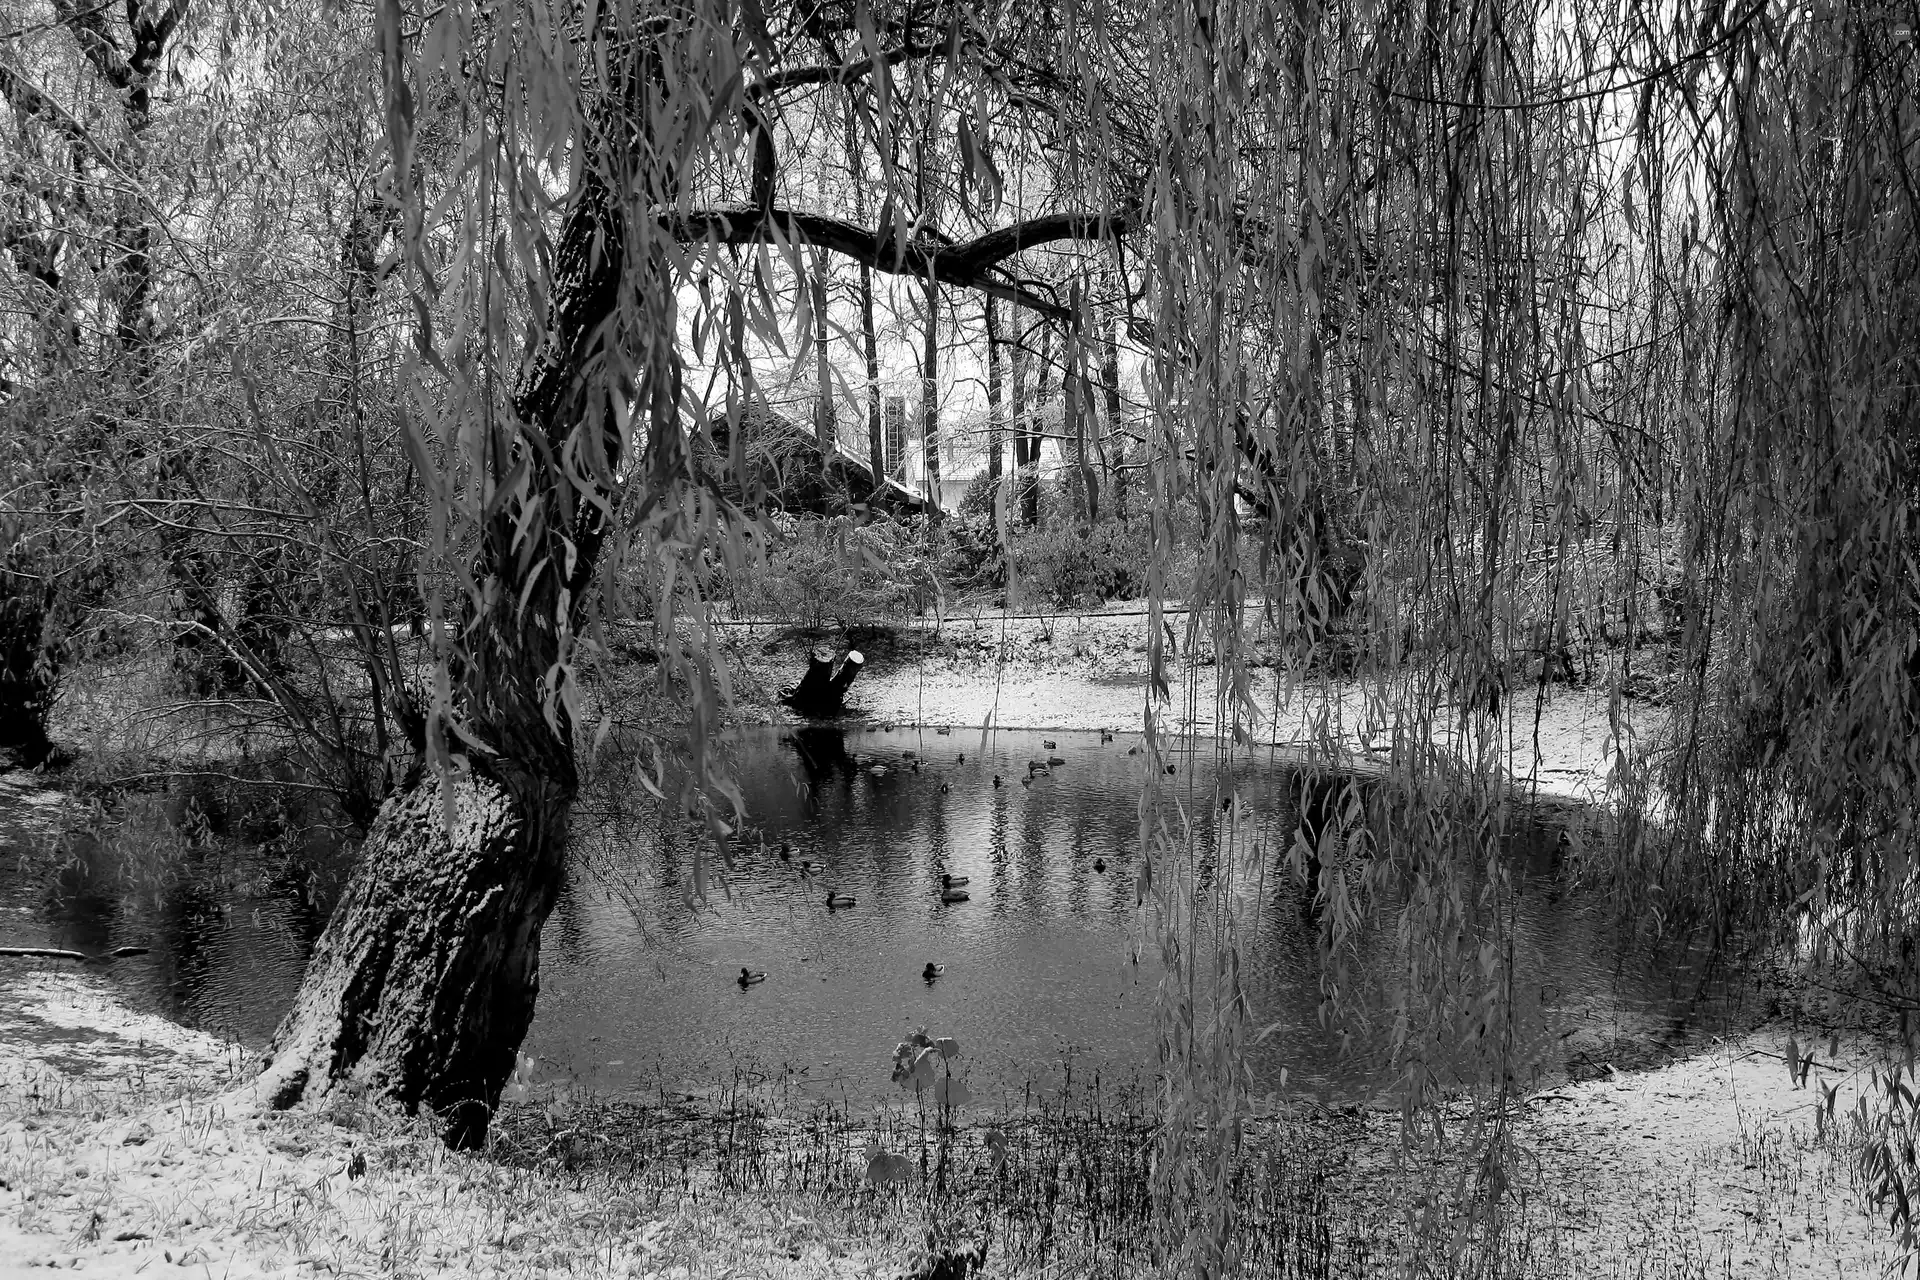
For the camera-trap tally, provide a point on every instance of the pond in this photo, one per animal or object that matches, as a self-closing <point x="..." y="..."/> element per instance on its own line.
<point x="1048" y="963"/>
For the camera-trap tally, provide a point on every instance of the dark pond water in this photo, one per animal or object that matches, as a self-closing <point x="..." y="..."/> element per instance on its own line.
<point x="1050" y="961"/>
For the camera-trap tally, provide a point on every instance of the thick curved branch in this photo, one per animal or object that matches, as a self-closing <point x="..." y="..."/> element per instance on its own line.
<point x="778" y="82"/>
<point x="970" y="264"/>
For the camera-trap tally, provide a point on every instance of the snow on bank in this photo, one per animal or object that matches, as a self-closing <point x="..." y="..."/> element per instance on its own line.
<point x="120" y="1156"/>
<point x="1089" y="671"/>
<point x="1711" y="1166"/>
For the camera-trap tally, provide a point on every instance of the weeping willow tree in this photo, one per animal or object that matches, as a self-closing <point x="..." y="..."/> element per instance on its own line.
<point x="1553" y="312"/>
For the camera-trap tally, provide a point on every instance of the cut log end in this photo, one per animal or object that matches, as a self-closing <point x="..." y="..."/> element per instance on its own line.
<point x="822" y="691"/>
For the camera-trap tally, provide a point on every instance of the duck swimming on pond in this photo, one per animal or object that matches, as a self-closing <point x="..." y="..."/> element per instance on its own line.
<point x="944" y="730"/>
<point x="786" y="852"/>
<point x="1099" y="864"/>
<point x="961" y="758"/>
<point x="932" y="971"/>
<point x="808" y="866"/>
<point x="953" y="882"/>
<point x="748" y="977"/>
<point x="1105" y="736"/>
<point x="996" y="779"/>
<point x="1053" y="760"/>
<point x="1048" y="743"/>
<point x="953" y="895"/>
<point x="945" y="787"/>
<point x="839" y="899"/>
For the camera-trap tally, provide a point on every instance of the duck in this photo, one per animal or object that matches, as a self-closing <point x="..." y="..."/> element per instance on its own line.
<point x="954" y="895"/>
<point x="1106" y="736"/>
<point x="906" y="755"/>
<point x="1099" y="864"/>
<point x="749" y="978"/>
<point x="1048" y="743"/>
<point x="839" y="899"/>
<point x="1169" y="768"/>
<point x="1027" y="781"/>
<point x="808" y="866"/>
<point x="786" y="852"/>
<point x="944" y="730"/>
<point x="961" y="758"/>
<point x="1053" y="760"/>
<point x="878" y="771"/>
<point x="932" y="971"/>
<point x="996" y="780"/>
<point x="945" y="787"/>
<point x="954" y="882"/>
<point x="1133" y="751"/>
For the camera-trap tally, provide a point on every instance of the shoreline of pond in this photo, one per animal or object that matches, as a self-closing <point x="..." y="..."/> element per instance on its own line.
<point x="120" y="1146"/>
<point x="1088" y="672"/>
<point x="1688" y="1123"/>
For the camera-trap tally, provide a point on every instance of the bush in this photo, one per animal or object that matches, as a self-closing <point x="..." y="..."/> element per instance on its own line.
<point x="834" y="571"/>
<point x="969" y="557"/>
<point x="1065" y="566"/>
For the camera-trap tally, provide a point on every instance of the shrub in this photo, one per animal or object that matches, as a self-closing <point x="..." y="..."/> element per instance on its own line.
<point x="1064" y="566"/>
<point x="835" y="571"/>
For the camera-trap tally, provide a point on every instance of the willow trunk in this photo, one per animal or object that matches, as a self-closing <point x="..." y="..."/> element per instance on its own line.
<point x="423" y="984"/>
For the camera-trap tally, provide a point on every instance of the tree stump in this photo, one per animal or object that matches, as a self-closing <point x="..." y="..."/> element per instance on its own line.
<point x="822" y="691"/>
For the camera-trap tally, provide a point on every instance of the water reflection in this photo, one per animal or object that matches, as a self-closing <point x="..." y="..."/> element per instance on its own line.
<point x="1051" y="959"/>
<point x="228" y="887"/>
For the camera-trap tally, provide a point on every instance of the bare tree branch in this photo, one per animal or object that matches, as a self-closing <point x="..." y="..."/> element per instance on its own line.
<point x="971" y="264"/>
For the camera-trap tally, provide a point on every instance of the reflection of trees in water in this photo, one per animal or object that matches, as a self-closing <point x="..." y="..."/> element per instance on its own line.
<point x="225" y="881"/>
<point x="1031" y="851"/>
<point x="997" y="849"/>
<point x="822" y="754"/>
<point x="1037" y="803"/>
<point x="80" y="901"/>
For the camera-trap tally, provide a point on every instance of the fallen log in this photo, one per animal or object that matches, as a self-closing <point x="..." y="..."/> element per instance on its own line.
<point x="61" y="953"/>
<point x="822" y="691"/>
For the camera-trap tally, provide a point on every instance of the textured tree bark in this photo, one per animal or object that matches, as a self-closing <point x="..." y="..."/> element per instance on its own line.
<point x="422" y="987"/>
